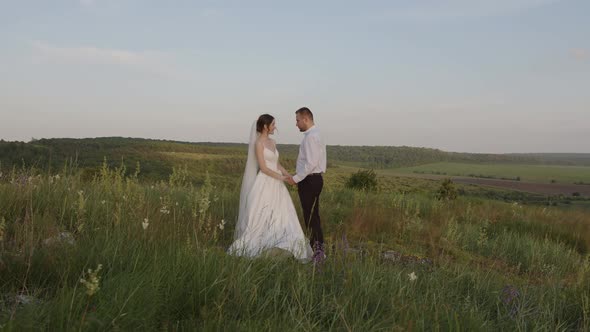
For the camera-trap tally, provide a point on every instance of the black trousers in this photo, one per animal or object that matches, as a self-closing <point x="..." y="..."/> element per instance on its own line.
<point x="310" y="189"/>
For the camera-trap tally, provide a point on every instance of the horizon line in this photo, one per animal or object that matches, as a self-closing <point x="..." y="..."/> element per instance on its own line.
<point x="33" y="139"/>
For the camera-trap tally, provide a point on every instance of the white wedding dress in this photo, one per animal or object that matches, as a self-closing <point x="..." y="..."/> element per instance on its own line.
<point x="268" y="218"/>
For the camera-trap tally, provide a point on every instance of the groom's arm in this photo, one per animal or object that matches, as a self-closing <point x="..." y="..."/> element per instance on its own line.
<point x="311" y="151"/>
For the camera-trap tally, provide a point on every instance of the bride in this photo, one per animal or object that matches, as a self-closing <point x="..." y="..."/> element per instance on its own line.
<point x="267" y="218"/>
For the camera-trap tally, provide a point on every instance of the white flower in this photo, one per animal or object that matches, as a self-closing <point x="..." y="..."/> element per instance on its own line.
<point x="412" y="276"/>
<point x="103" y="202"/>
<point x="176" y="203"/>
<point x="81" y="192"/>
<point x="57" y="176"/>
<point x="222" y="224"/>
<point x="145" y="223"/>
<point x="92" y="281"/>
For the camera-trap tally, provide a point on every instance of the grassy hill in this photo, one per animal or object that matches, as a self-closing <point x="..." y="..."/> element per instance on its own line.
<point x="157" y="158"/>
<point x="398" y="257"/>
<point x="152" y="257"/>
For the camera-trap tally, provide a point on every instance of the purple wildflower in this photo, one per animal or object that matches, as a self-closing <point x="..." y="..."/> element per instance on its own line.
<point x="319" y="256"/>
<point x="510" y="295"/>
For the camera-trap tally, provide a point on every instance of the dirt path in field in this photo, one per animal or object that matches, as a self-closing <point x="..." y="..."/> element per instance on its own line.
<point x="539" y="188"/>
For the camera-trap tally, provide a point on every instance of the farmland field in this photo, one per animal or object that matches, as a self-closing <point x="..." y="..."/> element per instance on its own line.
<point x="525" y="173"/>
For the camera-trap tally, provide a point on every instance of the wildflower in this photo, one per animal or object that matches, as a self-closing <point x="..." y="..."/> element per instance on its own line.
<point x="124" y="197"/>
<point x="57" y="176"/>
<point x="319" y="255"/>
<point x="103" y="202"/>
<point x="222" y="224"/>
<point x="176" y="203"/>
<point x="92" y="281"/>
<point x="412" y="276"/>
<point x="152" y="187"/>
<point x="145" y="223"/>
<point x="510" y="296"/>
<point x="81" y="192"/>
<point x="2" y="227"/>
<point x="164" y="210"/>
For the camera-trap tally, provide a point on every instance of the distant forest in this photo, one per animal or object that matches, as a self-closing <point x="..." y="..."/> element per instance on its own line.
<point x="156" y="162"/>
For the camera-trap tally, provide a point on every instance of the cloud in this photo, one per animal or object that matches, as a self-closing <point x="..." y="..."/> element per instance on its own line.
<point x="209" y="13"/>
<point x="151" y="62"/>
<point x="580" y="54"/>
<point x="461" y="9"/>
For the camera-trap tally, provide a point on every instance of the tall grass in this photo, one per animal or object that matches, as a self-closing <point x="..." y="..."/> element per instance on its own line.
<point x="162" y="250"/>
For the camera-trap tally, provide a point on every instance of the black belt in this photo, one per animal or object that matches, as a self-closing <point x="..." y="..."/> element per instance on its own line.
<point x="315" y="174"/>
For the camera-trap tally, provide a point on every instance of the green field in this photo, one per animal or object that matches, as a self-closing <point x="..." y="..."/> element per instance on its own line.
<point x="398" y="258"/>
<point x="528" y="173"/>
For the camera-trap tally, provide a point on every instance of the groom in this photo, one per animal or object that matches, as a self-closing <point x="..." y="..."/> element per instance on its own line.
<point x="311" y="164"/>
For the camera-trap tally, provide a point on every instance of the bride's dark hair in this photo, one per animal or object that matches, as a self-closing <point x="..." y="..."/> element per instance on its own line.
<point x="264" y="120"/>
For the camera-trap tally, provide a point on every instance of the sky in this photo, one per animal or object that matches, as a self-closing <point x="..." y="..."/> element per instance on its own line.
<point x="494" y="76"/>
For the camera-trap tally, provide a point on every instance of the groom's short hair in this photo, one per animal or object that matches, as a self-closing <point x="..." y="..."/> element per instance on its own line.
<point x="304" y="111"/>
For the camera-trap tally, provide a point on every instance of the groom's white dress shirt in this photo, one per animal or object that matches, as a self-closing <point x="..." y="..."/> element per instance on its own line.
<point x="312" y="155"/>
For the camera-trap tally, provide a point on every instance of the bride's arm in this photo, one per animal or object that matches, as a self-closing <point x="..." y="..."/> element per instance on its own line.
<point x="283" y="170"/>
<point x="262" y="163"/>
<point x="279" y="166"/>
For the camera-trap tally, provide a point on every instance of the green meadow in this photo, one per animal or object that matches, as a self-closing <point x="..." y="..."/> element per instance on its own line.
<point x="529" y="173"/>
<point x="102" y="246"/>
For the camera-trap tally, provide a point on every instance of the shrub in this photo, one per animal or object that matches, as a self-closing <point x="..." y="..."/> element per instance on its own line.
<point x="363" y="180"/>
<point x="447" y="190"/>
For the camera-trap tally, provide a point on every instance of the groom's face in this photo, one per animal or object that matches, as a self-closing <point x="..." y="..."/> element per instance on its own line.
<point x="301" y="122"/>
